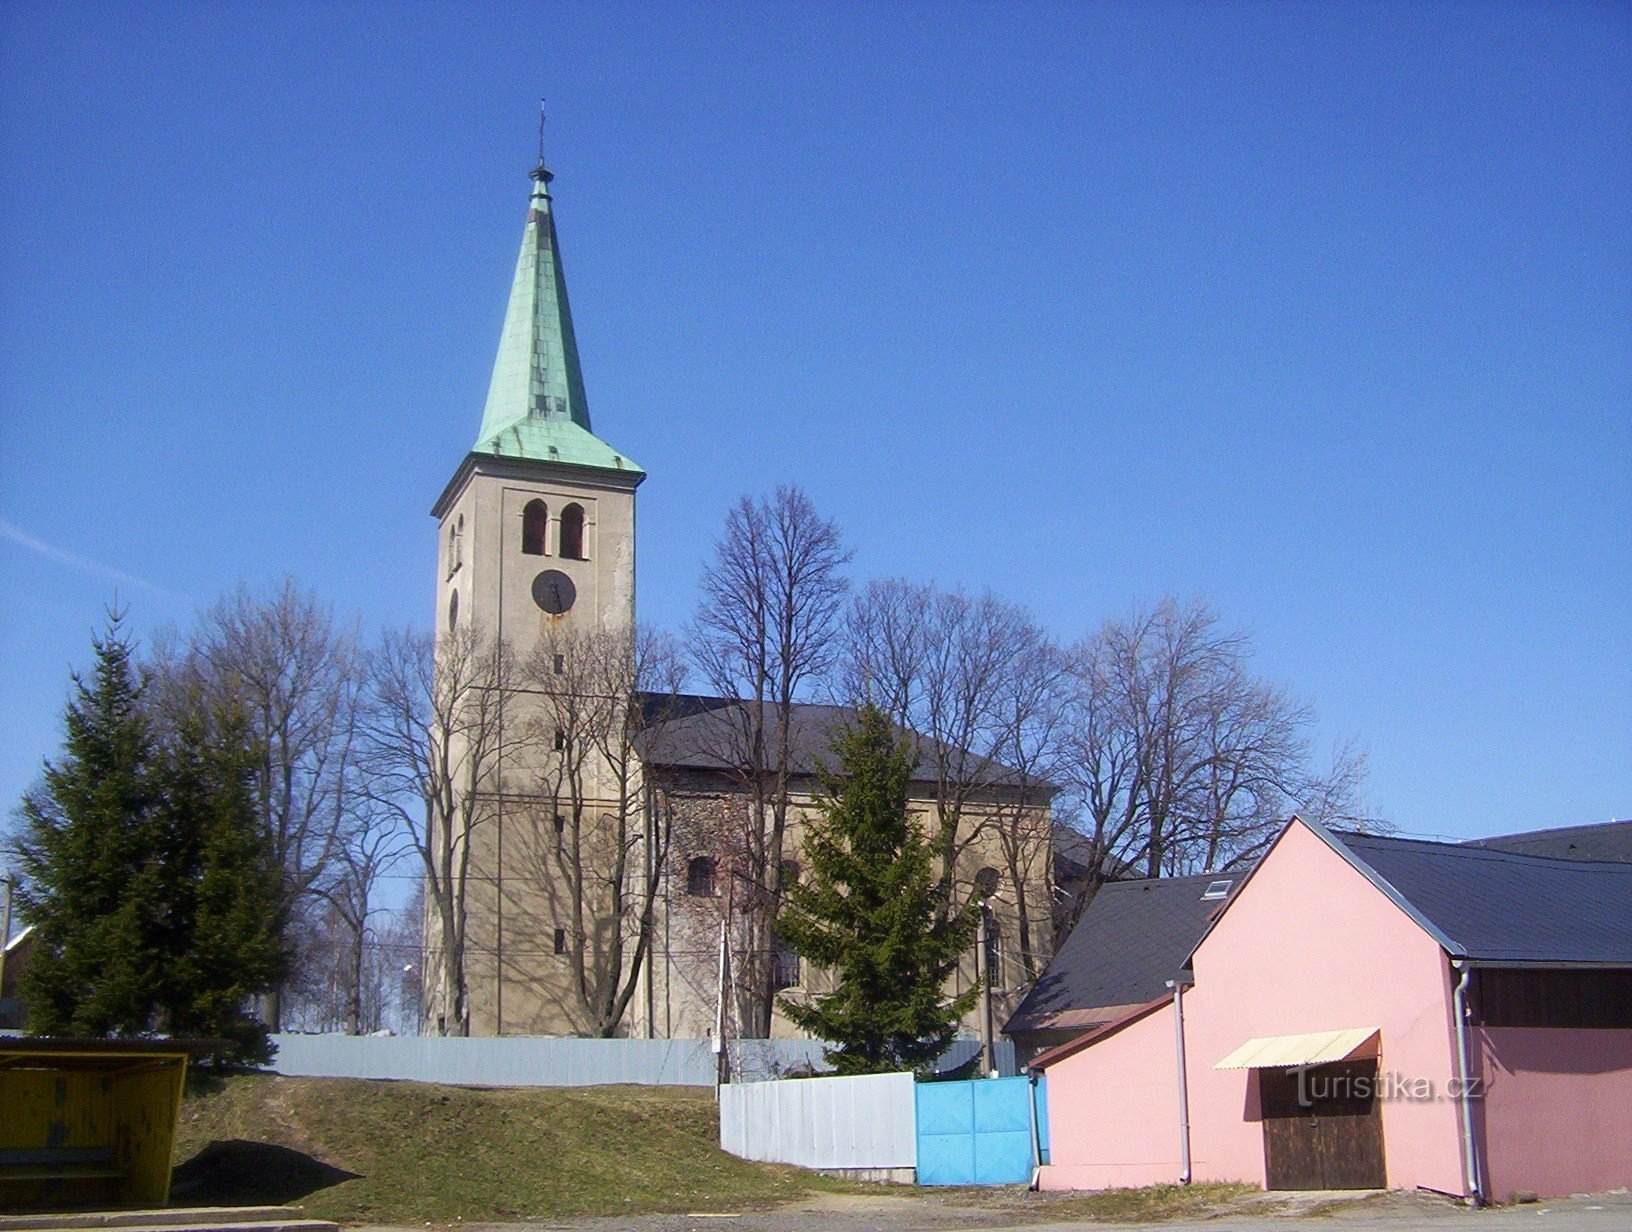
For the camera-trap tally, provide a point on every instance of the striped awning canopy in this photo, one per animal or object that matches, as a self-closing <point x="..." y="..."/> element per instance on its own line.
<point x="1311" y="1048"/>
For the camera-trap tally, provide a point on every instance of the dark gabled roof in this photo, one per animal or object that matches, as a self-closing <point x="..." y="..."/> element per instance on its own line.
<point x="1607" y="840"/>
<point x="694" y="732"/>
<point x="1088" y="1039"/>
<point x="1134" y="937"/>
<point x="1502" y="906"/>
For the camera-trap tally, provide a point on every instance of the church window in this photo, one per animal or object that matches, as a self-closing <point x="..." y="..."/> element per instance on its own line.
<point x="572" y="532"/>
<point x="560" y="739"/>
<point x="700" y="878"/>
<point x="456" y="544"/>
<point x="790" y="873"/>
<point x="985" y="883"/>
<point x="787" y="966"/>
<point x="994" y="953"/>
<point x="559" y="663"/>
<point x="535" y="524"/>
<point x="560" y="823"/>
<point x="453" y="610"/>
<point x="560" y="941"/>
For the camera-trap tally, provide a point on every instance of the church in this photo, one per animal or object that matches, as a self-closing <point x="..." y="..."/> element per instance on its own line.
<point x="599" y="894"/>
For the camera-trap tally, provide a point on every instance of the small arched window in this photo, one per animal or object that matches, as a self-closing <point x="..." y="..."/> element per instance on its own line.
<point x="572" y="533"/>
<point x="985" y="883"/>
<point x="456" y="544"/>
<point x="453" y="611"/>
<point x="790" y="873"/>
<point x="535" y="524"/>
<point x="700" y="877"/>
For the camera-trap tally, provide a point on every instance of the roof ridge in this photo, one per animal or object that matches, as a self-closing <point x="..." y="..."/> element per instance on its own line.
<point x="1475" y="850"/>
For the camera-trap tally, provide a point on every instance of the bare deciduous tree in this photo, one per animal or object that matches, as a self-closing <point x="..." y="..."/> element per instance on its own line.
<point x="1179" y="759"/>
<point x="359" y="990"/>
<point x="602" y="842"/>
<point x="980" y="683"/>
<point x="765" y="633"/>
<point x="432" y="733"/>
<point x="374" y="845"/>
<point x="298" y="677"/>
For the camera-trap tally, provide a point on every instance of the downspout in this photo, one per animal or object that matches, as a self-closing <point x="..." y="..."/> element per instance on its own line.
<point x="1036" y="1139"/>
<point x="1184" y="1092"/>
<point x="1464" y="1064"/>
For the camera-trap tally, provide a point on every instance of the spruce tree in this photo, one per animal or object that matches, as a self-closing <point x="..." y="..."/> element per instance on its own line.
<point x="86" y="852"/>
<point x="146" y="875"/>
<point x="868" y="912"/>
<point x="224" y="885"/>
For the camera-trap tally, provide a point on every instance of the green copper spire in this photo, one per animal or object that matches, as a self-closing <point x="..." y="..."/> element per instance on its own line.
<point x="536" y="406"/>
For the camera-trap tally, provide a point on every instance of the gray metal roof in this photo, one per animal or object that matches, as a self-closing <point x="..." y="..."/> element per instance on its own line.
<point x="1607" y="840"/>
<point x="1503" y="906"/>
<point x="1134" y="937"/>
<point x="694" y="732"/>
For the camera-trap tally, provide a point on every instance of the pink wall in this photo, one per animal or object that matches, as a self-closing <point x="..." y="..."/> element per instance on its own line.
<point x="1312" y="945"/>
<point x="1557" y="1110"/>
<point x="1308" y="945"/>
<point x="1113" y="1110"/>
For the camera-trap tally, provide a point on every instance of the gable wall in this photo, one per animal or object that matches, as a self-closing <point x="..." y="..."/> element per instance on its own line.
<point x="1311" y="945"/>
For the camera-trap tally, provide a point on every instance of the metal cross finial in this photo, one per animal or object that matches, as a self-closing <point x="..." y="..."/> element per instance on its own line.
<point x="541" y="173"/>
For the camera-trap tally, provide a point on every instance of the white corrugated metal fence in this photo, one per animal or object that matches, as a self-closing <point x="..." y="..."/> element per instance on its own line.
<point x="866" y="1121"/>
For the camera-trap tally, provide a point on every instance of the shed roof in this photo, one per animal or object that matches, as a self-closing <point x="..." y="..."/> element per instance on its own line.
<point x="1134" y="937"/>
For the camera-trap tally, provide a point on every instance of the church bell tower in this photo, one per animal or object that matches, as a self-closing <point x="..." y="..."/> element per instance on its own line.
<point x="536" y="540"/>
<point x="538" y="522"/>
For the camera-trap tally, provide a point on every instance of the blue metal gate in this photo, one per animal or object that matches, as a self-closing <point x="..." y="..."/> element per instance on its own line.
<point x="980" y="1132"/>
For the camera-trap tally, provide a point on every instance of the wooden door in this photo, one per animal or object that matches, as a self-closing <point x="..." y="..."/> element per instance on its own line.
<point x="1325" y="1132"/>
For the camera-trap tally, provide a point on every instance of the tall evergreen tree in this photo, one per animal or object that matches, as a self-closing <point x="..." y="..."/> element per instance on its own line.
<point x="869" y="912"/>
<point x="147" y="878"/>
<point x="224" y="883"/>
<point x="86" y="850"/>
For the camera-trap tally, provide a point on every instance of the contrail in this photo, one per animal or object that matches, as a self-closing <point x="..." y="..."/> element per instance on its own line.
<point x="23" y="539"/>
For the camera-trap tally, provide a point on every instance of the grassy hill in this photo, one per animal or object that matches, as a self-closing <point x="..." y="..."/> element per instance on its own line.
<point x="406" y="1152"/>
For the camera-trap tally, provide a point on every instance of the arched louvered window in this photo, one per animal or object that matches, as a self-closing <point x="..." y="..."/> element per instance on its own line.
<point x="535" y="525"/>
<point x="572" y="533"/>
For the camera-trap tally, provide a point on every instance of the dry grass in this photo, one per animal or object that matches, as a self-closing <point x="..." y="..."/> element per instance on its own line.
<point x="404" y="1152"/>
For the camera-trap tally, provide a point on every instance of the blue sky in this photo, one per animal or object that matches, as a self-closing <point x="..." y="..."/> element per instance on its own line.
<point x="1322" y="311"/>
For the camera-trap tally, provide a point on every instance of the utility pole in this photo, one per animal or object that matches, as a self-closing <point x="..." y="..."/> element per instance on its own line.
<point x="983" y="973"/>
<point x="722" y="1070"/>
<point x="5" y="930"/>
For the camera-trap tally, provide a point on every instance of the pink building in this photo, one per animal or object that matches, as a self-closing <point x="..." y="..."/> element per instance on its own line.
<point x="1373" y="1012"/>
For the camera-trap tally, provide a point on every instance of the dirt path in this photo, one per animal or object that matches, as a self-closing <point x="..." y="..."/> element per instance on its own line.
<point x="912" y="1210"/>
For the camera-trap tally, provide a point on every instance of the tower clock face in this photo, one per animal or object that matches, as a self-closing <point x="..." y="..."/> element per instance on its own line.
<point x="554" y="592"/>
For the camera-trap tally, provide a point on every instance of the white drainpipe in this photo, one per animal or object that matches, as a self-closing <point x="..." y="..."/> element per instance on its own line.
<point x="1470" y="1150"/>
<point x="1184" y="1092"/>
